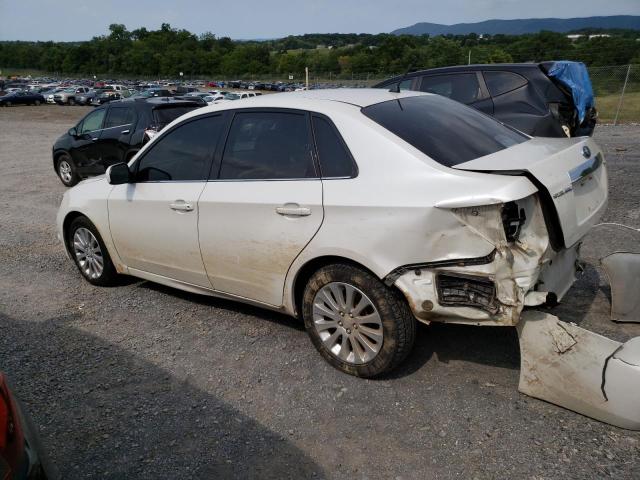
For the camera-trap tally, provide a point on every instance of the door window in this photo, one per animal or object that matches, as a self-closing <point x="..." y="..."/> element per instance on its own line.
<point x="462" y="87"/>
<point x="119" y="116"/>
<point x="335" y="160"/>
<point x="183" y="154"/>
<point x="93" y="121"/>
<point x="267" y="145"/>
<point x="503" y="82"/>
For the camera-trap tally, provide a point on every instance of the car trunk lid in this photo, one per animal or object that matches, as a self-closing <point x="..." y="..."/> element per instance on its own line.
<point x="569" y="172"/>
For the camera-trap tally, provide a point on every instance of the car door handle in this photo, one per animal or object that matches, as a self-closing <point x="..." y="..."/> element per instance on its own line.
<point x="294" y="211"/>
<point x="181" y="206"/>
<point x="94" y="139"/>
<point x="124" y="132"/>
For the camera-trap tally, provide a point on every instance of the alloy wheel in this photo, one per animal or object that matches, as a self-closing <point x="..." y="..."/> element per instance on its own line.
<point x="348" y="323"/>
<point x="88" y="253"/>
<point x="64" y="169"/>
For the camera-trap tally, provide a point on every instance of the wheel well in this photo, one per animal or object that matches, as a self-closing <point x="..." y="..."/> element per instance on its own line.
<point x="56" y="157"/>
<point x="71" y="216"/>
<point x="312" y="266"/>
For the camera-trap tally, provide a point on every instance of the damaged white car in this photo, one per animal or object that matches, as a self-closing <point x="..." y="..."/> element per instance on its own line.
<point x="360" y="211"/>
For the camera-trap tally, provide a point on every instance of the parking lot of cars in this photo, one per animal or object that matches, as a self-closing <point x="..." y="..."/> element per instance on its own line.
<point x="144" y="381"/>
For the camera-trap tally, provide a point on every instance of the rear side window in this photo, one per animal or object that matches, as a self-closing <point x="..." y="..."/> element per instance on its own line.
<point x="119" y="116"/>
<point x="165" y="115"/>
<point x="266" y="146"/>
<point x="503" y="82"/>
<point x="448" y="132"/>
<point x="335" y="160"/>
<point x="183" y="154"/>
<point x="461" y="87"/>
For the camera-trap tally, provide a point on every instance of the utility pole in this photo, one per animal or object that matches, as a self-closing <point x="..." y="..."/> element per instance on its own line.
<point x="624" y="87"/>
<point x="469" y="57"/>
<point x="306" y="77"/>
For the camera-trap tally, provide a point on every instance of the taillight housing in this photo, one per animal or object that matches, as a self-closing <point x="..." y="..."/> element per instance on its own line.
<point x="11" y="434"/>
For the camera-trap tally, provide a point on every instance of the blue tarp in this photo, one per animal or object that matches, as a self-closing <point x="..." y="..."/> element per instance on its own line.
<point x="575" y="77"/>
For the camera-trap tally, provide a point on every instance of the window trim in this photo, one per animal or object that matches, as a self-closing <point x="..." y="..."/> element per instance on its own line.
<point x="316" y="150"/>
<point x="214" y="175"/>
<point x="136" y="166"/>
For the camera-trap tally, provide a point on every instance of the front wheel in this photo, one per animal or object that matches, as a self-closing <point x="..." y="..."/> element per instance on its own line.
<point x="90" y="254"/>
<point x="67" y="171"/>
<point x="358" y="324"/>
<point x="37" y="103"/>
<point x="71" y="102"/>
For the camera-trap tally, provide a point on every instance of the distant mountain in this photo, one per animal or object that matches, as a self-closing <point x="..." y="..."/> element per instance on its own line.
<point x="526" y="25"/>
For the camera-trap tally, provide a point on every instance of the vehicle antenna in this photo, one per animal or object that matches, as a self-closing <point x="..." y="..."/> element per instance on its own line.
<point x="395" y="88"/>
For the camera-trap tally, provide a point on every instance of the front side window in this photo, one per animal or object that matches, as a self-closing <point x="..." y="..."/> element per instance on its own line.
<point x="93" y="121"/>
<point x="267" y="145"/>
<point x="448" y="132"/>
<point x="119" y="116"/>
<point x="183" y="154"/>
<point x="335" y="160"/>
<point x="461" y="87"/>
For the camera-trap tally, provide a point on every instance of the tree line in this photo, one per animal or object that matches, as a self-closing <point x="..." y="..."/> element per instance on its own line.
<point x="167" y="51"/>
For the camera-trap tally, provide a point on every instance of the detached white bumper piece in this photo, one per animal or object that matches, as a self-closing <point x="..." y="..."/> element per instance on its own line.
<point x="623" y="270"/>
<point x="580" y="370"/>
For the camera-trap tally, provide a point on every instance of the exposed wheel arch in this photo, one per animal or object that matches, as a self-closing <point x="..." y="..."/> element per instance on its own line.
<point x="305" y="272"/>
<point x="71" y="216"/>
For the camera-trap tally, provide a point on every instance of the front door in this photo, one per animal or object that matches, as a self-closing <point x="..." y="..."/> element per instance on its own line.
<point x="264" y="206"/>
<point x="86" y="152"/>
<point x="116" y="134"/>
<point x="154" y="221"/>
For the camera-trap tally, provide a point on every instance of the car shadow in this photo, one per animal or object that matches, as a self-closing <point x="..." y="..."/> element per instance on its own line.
<point x="104" y="411"/>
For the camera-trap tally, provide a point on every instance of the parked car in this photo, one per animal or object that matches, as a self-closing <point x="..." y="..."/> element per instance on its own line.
<point x="68" y="95"/>
<point x="359" y="211"/>
<point x="21" y="98"/>
<point x="112" y="133"/>
<point x="207" y="97"/>
<point x="21" y="454"/>
<point x="153" y="92"/>
<point x="86" y="98"/>
<point x="522" y="95"/>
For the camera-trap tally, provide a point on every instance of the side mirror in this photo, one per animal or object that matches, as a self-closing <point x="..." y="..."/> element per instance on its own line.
<point x="73" y="132"/>
<point x="118" y="174"/>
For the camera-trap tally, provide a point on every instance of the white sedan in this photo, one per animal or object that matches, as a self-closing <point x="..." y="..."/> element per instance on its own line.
<point x="359" y="211"/>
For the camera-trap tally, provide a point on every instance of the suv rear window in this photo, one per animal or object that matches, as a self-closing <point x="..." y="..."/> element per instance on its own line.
<point x="447" y="131"/>
<point x="163" y="116"/>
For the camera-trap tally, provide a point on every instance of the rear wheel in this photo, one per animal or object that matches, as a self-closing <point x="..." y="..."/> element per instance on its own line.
<point x="7" y="104"/>
<point x="37" y="103"/>
<point x="358" y="324"/>
<point x="67" y="171"/>
<point x="71" y="101"/>
<point x="90" y="254"/>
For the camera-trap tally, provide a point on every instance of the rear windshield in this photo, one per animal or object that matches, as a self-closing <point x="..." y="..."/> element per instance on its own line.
<point x="447" y="131"/>
<point x="167" y="114"/>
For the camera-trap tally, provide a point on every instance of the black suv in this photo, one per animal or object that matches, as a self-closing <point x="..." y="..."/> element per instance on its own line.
<point x="521" y="95"/>
<point x="113" y="133"/>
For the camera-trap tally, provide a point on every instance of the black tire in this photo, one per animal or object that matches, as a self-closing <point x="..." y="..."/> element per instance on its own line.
<point x="71" y="102"/>
<point x="62" y="162"/>
<point x="37" y="103"/>
<point x="7" y="104"/>
<point x="109" y="276"/>
<point x="398" y="323"/>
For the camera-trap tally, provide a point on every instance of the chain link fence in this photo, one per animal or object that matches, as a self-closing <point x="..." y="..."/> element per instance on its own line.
<point x="617" y="90"/>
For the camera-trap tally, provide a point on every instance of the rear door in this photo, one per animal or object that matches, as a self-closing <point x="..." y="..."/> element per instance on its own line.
<point x="515" y="101"/>
<point x="115" y="139"/>
<point x="571" y="172"/>
<point x="467" y="88"/>
<point x="263" y="205"/>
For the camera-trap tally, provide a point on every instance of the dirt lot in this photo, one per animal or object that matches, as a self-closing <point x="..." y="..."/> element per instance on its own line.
<point x="141" y="381"/>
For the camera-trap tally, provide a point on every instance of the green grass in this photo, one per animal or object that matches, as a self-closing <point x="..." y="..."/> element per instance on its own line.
<point x="629" y="111"/>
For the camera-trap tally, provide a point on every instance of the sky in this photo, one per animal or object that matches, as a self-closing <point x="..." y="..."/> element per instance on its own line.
<point x="71" y="20"/>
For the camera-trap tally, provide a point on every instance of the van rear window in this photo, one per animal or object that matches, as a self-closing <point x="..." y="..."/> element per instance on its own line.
<point x="447" y="131"/>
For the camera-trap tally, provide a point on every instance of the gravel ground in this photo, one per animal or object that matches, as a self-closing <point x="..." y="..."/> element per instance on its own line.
<point x="141" y="381"/>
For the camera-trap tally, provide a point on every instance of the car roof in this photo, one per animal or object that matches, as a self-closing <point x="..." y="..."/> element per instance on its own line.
<point x="467" y="68"/>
